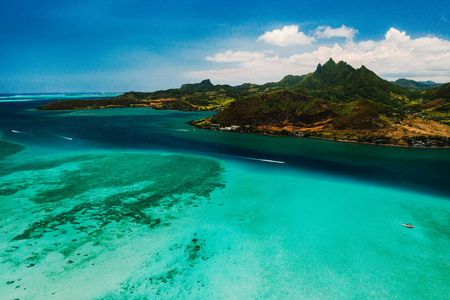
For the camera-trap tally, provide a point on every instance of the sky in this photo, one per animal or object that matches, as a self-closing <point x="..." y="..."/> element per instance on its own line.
<point x="117" y="46"/>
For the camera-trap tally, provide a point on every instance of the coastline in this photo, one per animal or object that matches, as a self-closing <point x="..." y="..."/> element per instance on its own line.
<point x="385" y="145"/>
<point x="327" y="139"/>
<point x="192" y="123"/>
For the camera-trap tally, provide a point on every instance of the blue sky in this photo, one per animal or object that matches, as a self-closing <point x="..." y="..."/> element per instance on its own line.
<point x="81" y="46"/>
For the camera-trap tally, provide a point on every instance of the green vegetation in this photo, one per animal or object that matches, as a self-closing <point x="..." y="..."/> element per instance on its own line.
<point x="333" y="82"/>
<point x="442" y="91"/>
<point x="286" y="108"/>
<point x="94" y="104"/>
<point x="415" y="85"/>
<point x="297" y="113"/>
<point x="335" y="101"/>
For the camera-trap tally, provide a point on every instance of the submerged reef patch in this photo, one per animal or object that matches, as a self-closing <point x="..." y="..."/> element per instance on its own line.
<point x="7" y="148"/>
<point x="79" y="199"/>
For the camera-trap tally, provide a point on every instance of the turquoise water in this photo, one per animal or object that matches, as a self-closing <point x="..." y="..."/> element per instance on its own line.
<point x="136" y="204"/>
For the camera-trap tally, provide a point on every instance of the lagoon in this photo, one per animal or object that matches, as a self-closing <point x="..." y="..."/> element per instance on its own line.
<point x="135" y="203"/>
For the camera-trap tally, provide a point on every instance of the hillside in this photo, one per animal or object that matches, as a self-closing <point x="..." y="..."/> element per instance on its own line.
<point x="335" y="101"/>
<point x="415" y="85"/>
<point x="189" y="97"/>
<point x="95" y="104"/>
<point x="290" y="109"/>
<point x="335" y="82"/>
<point x="437" y="107"/>
<point x="300" y="114"/>
<point x="340" y="82"/>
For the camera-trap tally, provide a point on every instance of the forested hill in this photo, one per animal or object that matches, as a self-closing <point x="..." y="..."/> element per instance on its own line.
<point x="416" y="85"/>
<point x="335" y="82"/>
<point x="300" y="114"/>
<point x="335" y="101"/>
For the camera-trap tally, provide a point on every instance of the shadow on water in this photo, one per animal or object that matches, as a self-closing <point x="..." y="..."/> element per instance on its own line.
<point x="426" y="177"/>
<point x="422" y="170"/>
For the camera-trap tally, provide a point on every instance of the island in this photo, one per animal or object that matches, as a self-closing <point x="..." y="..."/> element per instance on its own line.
<point x="336" y="102"/>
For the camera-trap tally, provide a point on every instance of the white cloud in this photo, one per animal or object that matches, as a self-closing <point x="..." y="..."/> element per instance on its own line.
<point x="328" y="32"/>
<point x="231" y="56"/>
<point x="287" y="36"/>
<point x="397" y="55"/>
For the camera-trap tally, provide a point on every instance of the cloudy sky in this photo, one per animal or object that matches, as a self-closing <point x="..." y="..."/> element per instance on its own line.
<point x="117" y="45"/>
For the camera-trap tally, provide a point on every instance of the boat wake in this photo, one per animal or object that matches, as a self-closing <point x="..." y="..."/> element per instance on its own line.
<point x="262" y="159"/>
<point x="65" y="137"/>
<point x="251" y="158"/>
<point x="21" y="132"/>
<point x="27" y="133"/>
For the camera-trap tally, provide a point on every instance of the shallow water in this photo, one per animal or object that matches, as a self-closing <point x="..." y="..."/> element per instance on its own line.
<point x="134" y="203"/>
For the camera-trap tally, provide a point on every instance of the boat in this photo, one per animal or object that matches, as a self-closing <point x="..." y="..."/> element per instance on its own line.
<point x="407" y="225"/>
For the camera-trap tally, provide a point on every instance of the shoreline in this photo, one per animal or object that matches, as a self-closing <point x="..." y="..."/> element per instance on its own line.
<point x="259" y="133"/>
<point x="328" y="139"/>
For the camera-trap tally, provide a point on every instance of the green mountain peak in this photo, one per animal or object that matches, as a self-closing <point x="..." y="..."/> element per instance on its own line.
<point x="192" y="87"/>
<point x="319" y="68"/>
<point x="328" y="75"/>
<point x="206" y="82"/>
<point x="363" y="68"/>
<point x="330" y="62"/>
